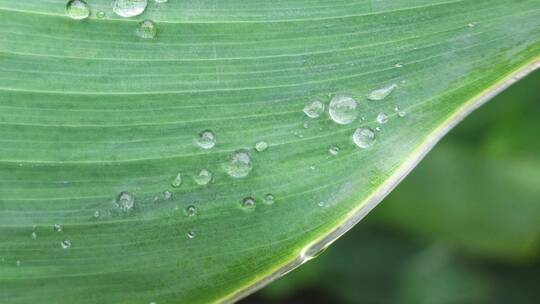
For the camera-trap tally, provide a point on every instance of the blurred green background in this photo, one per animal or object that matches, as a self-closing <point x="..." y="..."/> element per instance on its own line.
<point x="464" y="227"/>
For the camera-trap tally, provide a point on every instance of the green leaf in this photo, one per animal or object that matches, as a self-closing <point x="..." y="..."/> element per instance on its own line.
<point x="90" y="110"/>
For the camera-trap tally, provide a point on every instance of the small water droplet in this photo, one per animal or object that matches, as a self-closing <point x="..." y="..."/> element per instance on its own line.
<point x="378" y="129"/>
<point x="239" y="164"/>
<point x="269" y="199"/>
<point x="191" y="234"/>
<point x="471" y="24"/>
<point x="100" y="14"/>
<point x="342" y="109"/>
<point x="167" y="195"/>
<point x="160" y="1"/>
<point x="206" y="139"/>
<point x="96" y="214"/>
<point x="77" y="9"/>
<point x="18" y="263"/>
<point x="306" y="125"/>
<point x="177" y="181"/>
<point x="191" y="210"/>
<point x="398" y="65"/>
<point x="248" y="203"/>
<point x="261" y="146"/>
<point x="381" y="93"/>
<point x="382" y="118"/>
<point x="146" y="29"/>
<point x="400" y="112"/>
<point x="65" y="244"/>
<point x="334" y="150"/>
<point x="364" y="137"/>
<point x="58" y="228"/>
<point x="321" y="204"/>
<point x="203" y="178"/>
<point x="33" y="235"/>
<point x="125" y="200"/>
<point x="314" y="108"/>
<point x="129" y="8"/>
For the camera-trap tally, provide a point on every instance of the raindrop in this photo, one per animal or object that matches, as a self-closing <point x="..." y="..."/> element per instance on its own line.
<point x="382" y="118"/>
<point x="206" y="139"/>
<point x="129" y="8"/>
<point x="261" y="146"/>
<point x="167" y="195"/>
<point x="191" y="210"/>
<point x="191" y="234"/>
<point x="100" y="14"/>
<point x="203" y="178"/>
<point x="65" y="244"/>
<point x="239" y="164"/>
<point x="177" y="181"/>
<point x="248" y="203"/>
<point x="364" y="137"/>
<point x="58" y="228"/>
<point x="314" y="109"/>
<point x="269" y="199"/>
<point x="34" y="235"/>
<point x="77" y="9"/>
<point x="334" y="150"/>
<point x="147" y="29"/>
<point x="342" y="109"/>
<point x="125" y="200"/>
<point x="381" y="93"/>
<point x="400" y="112"/>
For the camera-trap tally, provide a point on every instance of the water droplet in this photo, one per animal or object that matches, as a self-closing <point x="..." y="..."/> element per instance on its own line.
<point x="239" y="164"/>
<point x="100" y="14"/>
<point x="471" y="24"/>
<point x="177" y="181"/>
<point x="314" y="109"/>
<point x="191" y="210"/>
<point x="129" y="8"/>
<point x="18" y="263"/>
<point x="58" y="228"/>
<point x="342" y="109"/>
<point x="398" y="65"/>
<point x="167" y="195"/>
<point x="364" y="137"/>
<point x="248" y="203"/>
<point x="381" y="93"/>
<point x="400" y="112"/>
<point x="306" y="125"/>
<point x="382" y="118"/>
<point x="334" y="150"/>
<point x="125" y="200"/>
<point x="203" y="178"/>
<point x="65" y="244"/>
<point x="206" y="139"/>
<point x="261" y="146"/>
<point x="269" y="199"/>
<point x="191" y="234"/>
<point x="96" y="214"/>
<point x="77" y="9"/>
<point x="147" y="29"/>
<point x="321" y="204"/>
<point x="159" y="1"/>
<point x="33" y="235"/>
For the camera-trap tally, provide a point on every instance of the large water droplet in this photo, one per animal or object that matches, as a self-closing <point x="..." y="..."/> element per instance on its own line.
<point x="381" y="93"/>
<point x="65" y="244"/>
<point x="129" y="8"/>
<point x="58" y="228"/>
<point x="77" y="9"/>
<point x="314" y="109"/>
<point x="177" y="181"/>
<point x="364" y="137"/>
<point x="125" y="200"/>
<point x="248" y="203"/>
<point x="206" y="139"/>
<point x="382" y="118"/>
<point x="239" y="164"/>
<point x="342" y="109"/>
<point x="147" y="29"/>
<point x="203" y="178"/>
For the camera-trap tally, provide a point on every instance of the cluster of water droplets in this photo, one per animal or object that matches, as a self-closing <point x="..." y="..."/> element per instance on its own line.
<point x="146" y="29"/>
